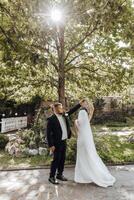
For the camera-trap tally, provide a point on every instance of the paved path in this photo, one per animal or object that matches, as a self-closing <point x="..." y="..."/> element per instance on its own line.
<point x="33" y="185"/>
<point x="118" y="133"/>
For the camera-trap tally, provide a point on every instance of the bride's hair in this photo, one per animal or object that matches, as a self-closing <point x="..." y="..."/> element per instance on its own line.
<point x="88" y="106"/>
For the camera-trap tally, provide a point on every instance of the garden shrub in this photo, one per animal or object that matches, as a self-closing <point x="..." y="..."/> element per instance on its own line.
<point x="71" y="150"/>
<point x="30" y="138"/>
<point x="111" y="148"/>
<point x="3" y="141"/>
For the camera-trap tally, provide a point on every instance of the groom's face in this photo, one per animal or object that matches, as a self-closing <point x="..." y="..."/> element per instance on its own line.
<point x="59" y="109"/>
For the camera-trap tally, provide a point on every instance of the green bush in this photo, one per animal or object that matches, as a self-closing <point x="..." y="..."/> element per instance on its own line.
<point x="71" y="150"/>
<point x="114" y="149"/>
<point x="105" y="118"/>
<point x="3" y="141"/>
<point x="111" y="148"/>
<point x="130" y="121"/>
<point x="31" y="139"/>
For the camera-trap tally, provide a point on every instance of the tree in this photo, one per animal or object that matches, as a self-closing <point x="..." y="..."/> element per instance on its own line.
<point x="81" y="52"/>
<point x="24" y="70"/>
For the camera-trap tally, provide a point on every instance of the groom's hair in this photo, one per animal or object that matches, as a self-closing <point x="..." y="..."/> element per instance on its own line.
<point x="55" y="105"/>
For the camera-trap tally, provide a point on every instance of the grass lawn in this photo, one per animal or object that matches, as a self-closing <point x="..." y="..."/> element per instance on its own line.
<point x="107" y="127"/>
<point x="7" y="161"/>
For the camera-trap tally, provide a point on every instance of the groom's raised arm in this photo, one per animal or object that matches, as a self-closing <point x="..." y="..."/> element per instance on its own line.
<point x="74" y="109"/>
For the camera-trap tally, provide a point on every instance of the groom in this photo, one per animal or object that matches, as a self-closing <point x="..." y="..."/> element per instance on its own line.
<point x="58" y="131"/>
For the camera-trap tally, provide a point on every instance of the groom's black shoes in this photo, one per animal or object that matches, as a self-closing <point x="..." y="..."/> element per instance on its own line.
<point x="53" y="181"/>
<point x="61" y="178"/>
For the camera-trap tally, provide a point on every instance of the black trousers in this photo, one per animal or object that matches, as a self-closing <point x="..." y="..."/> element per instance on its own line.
<point x="57" y="165"/>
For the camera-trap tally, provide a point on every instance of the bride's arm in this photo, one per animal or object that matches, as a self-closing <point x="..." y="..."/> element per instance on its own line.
<point x="91" y="112"/>
<point x="76" y="124"/>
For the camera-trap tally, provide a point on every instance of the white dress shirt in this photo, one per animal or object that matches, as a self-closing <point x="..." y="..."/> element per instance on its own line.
<point x="63" y="126"/>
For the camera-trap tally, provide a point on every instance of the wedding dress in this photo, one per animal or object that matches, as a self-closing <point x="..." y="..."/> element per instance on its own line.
<point x="89" y="166"/>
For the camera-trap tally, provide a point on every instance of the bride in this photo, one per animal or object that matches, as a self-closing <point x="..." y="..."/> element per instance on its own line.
<point x="89" y="166"/>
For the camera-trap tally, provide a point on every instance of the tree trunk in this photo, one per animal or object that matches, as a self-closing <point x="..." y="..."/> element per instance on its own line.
<point x="61" y="74"/>
<point x="61" y="88"/>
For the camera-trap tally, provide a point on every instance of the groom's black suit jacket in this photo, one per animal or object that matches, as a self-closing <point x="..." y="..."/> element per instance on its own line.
<point x="54" y="131"/>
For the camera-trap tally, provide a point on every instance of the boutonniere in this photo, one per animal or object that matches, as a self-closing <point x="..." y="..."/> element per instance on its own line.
<point x="66" y="114"/>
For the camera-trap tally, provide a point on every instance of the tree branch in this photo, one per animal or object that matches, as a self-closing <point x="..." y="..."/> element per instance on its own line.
<point x="87" y="34"/>
<point x="82" y="40"/>
<point x="82" y="67"/>
<point x="76" y="58"/>
<point x="10" y="42"/>
<point x="51" y="56"/>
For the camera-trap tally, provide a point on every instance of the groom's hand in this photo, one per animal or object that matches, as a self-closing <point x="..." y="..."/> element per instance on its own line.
<point x="52" y="149"/>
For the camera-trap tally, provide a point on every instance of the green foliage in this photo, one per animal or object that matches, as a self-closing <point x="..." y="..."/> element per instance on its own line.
<point x="71" y="151"/>
<point x="114" y="104"/>
<point x="31" y="140"/>
<point x="40" y="122"/>
<point x="130" y="121"/>
<point x="115" y="117"/>
<point x="23" y="65"/>
<point x="31" y="53"/>
<point x="111" y="148"/>
<point x="115" y="149"/>
<point x="3" y="141"/>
